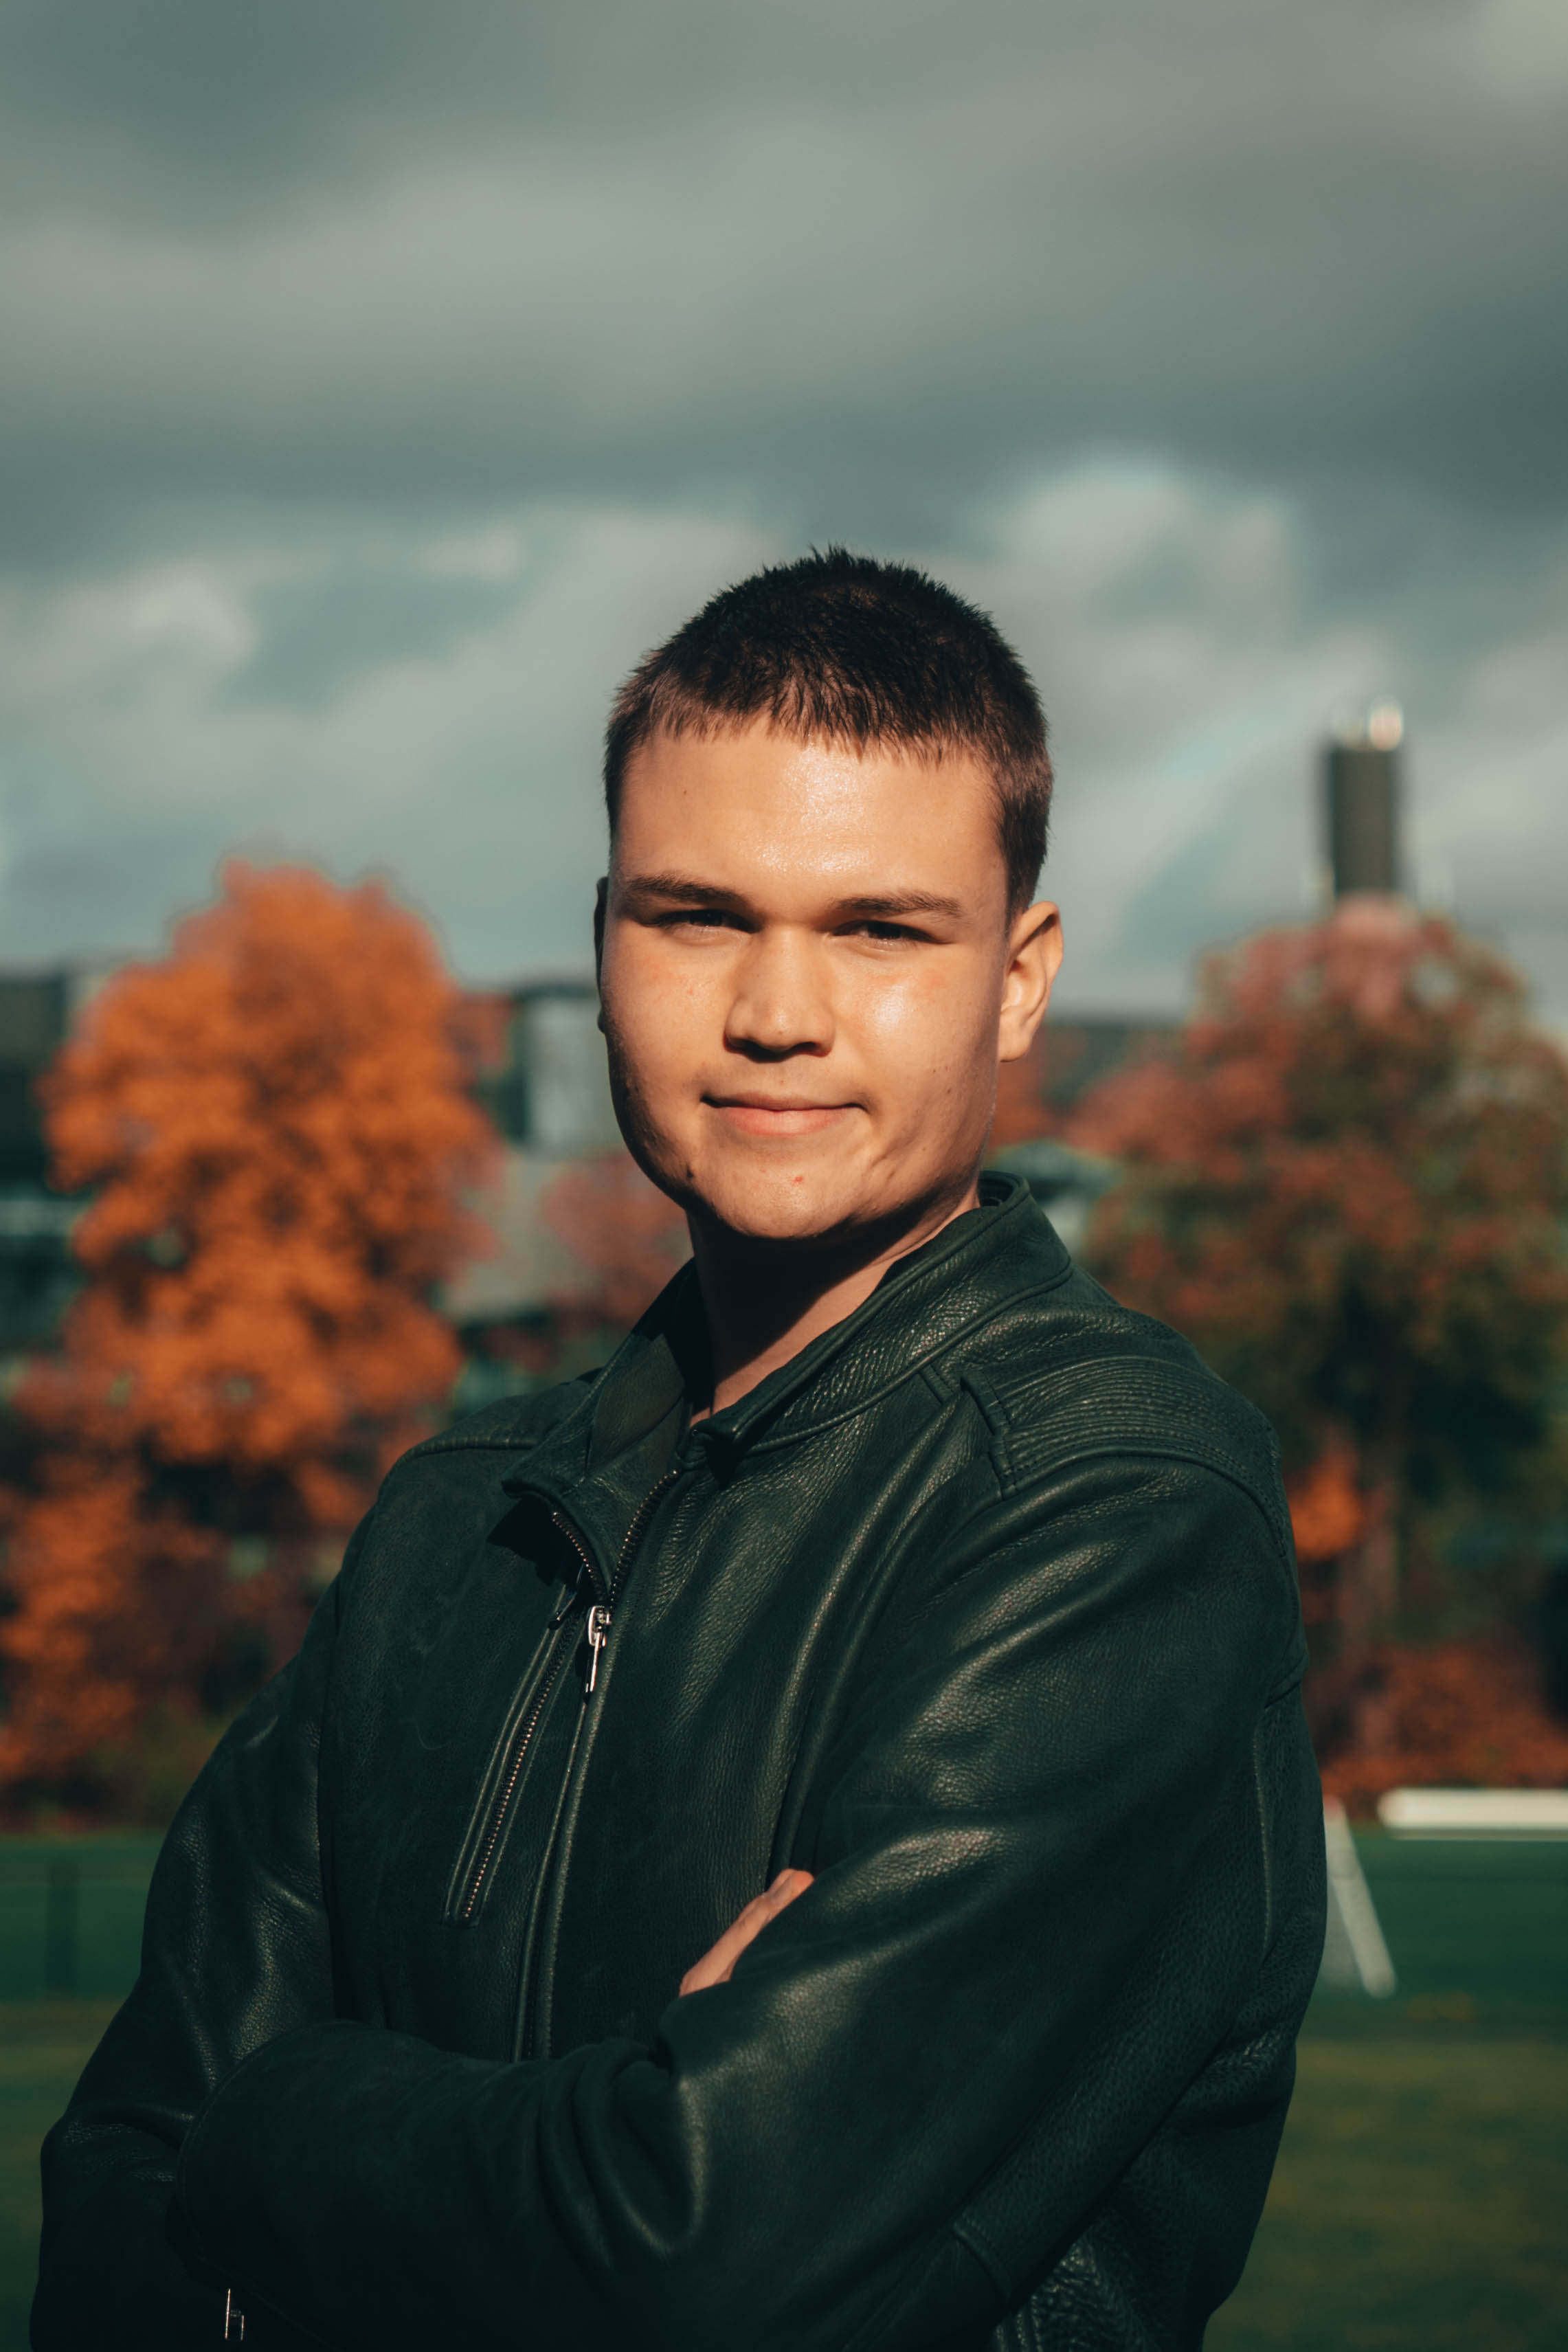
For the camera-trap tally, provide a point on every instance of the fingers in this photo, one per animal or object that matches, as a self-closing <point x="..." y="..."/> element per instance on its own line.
<point x="718" y="1962"/>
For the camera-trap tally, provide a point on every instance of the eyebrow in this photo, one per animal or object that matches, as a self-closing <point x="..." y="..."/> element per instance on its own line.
<point x="904" y="902"/>
<point x="884" y="906"/>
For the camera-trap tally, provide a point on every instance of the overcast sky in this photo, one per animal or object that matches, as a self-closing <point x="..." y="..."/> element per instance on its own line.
<point x="379" y="377"/>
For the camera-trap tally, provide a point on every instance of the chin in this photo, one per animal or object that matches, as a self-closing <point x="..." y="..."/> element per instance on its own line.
<point x="782" y="1224"/>
<point x="769" y="1207"/>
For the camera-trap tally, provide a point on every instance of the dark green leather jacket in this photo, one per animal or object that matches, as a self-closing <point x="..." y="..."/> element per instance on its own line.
<point x="982" y="1610"/>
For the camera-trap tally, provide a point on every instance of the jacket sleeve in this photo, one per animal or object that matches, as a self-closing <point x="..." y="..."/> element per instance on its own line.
<point x="1041" y="1897"/>
<point x="235" y="1951"/>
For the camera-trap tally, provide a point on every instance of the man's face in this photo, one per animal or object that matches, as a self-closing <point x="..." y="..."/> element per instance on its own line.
<point x="808" y="978"/>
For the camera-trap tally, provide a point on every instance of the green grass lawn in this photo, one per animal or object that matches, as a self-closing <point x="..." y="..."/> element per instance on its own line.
<point x="1419" y="2201"/>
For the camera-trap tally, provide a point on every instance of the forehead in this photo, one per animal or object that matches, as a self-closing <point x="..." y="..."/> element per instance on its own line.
<point x="757" y="798"/>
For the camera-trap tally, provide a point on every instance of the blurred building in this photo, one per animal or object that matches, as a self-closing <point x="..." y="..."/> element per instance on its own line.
<point x="1070" y="1057"/>
<point x="1065" y="1181"/>
<point x="1067" y="1060"/>
<point x="38" y="1274"/>
<point x="540" y="1072"/>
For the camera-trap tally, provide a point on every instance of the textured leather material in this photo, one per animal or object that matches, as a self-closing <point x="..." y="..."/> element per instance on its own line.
<point x="982" y="1610"/>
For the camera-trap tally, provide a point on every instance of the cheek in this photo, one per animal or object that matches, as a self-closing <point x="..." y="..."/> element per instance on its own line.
<point x="934" y="1018"/>
<point x="929" y="1047"/>
<point x="639" y="993"/>
<point x="657" y="1024"/>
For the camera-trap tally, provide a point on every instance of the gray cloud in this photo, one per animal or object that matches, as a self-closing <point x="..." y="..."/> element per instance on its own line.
<point x="869" y="258"/>
<point x="315" y="636"/>
<point x="380" y="379"/>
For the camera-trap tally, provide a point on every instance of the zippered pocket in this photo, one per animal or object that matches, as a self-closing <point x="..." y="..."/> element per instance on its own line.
<point x="509" y="1765"/>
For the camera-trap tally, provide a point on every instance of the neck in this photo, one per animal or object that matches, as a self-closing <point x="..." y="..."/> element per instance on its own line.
<point x="764" y="1301"/>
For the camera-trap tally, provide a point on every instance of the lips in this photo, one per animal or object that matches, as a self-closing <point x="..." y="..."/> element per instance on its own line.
<point x="773" y="1115"/>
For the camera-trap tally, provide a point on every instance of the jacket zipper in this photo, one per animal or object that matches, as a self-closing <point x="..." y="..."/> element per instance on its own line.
<point x="545" y="1908"/>
<point x="508" y="1787"/>
<point x="601" y="1615"/>
<point x="598" y="1626"/>
<point x="550" y="1676"/>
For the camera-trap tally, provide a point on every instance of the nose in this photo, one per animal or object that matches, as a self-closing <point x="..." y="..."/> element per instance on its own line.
<point x="782" y="1005"/>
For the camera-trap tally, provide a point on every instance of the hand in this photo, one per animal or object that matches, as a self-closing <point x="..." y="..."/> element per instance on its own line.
<point x="716" y="1964"/>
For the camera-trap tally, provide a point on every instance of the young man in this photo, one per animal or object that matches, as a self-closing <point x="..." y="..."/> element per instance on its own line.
<point x="806" y="1839"/>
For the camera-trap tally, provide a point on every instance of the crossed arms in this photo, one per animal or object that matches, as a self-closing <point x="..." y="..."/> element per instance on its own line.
<point x="890" y="2097"/>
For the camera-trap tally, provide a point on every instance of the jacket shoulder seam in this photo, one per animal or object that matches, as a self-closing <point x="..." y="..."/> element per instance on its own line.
<point x="1134" y="1449"/>
<point x="1137" y="1404"/>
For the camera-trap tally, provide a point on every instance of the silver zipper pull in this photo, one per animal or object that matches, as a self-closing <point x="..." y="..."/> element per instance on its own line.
<point x="598" y="1630"/>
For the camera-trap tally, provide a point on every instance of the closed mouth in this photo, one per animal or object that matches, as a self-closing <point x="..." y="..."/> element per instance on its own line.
<point x="777" y="1115"/>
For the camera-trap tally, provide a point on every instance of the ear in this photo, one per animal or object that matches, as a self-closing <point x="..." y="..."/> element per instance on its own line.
<point x="601" y="899"/>
<point x="1034" y="959"/>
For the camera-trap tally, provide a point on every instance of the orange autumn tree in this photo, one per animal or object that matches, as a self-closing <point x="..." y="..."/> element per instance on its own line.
<point x="1349" y="1186"/>
<point x="275" y="1130"/>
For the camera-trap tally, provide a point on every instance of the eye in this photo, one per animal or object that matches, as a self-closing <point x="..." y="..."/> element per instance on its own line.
<point x="697" y="919"/>
<point x="884" y="934"/>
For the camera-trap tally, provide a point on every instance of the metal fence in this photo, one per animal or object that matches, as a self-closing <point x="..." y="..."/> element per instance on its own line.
<point x="70" y="1915"/>
<point x="1478" y="1925"/>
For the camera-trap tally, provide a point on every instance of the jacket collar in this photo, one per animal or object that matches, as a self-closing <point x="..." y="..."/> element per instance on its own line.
<point x="599" y="1462"/>
<point x="971" y="1272"/>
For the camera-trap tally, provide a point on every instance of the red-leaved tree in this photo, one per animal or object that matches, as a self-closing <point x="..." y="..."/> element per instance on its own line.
<point x="1348" y="1185"/>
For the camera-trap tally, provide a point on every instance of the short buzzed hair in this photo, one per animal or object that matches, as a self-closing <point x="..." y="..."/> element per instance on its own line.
<point x="840" y="648"/>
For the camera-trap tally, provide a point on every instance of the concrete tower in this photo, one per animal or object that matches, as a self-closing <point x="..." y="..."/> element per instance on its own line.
<point x="1362" y="777"/>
